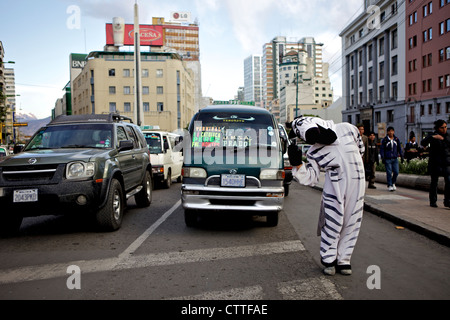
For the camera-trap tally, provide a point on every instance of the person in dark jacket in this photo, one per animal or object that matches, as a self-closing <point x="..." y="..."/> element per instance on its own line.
<point x="372" y="160"/>
<point x="438" y="145"/>
<point x="390" y="151"/>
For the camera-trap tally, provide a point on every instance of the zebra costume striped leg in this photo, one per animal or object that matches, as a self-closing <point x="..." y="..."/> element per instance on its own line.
<point x="343" y="192"/>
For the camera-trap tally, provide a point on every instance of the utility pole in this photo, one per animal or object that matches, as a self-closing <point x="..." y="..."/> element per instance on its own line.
<point x="137" y="69"/>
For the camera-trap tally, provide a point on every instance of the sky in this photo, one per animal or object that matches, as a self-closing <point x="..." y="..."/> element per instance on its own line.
<point x="40" y="35"/>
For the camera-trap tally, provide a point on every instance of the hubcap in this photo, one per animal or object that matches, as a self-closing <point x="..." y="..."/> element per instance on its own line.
<point x="116" y="205"/>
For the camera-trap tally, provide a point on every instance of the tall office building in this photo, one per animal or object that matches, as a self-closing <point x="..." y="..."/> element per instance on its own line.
<point x="253" y="79"/>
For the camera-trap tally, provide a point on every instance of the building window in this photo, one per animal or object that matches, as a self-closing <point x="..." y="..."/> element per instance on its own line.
<point x="126" y="90"/>
<point x="159" y="73"/>
<point x="112" y="107"/>
<point x="160" y="90"/>
<point x="394" y="65"/>
<point x="144" y="73"/>
<point x="394" y="39"/>
<point x="160" y="106"/>
<point x="390" y="116"/>
<point x="369" y="51"/>
<point x="441" y="55"/>
<point x="146" y="107"/>
<point x="381" y="71"/>
<point x="112" y="90"/>
<point x="112" y="72"/>
<point x="127" y="107"/>
<point x="381" y="94"/>
<point x="145" y="90"/>
<point x="395" y="90"/>
<point x="441" y="82"/>
<point x="381" y="46"/>
<point x="126" y="73"/>
<point x="378" y="117"/>
<point x="370" y="75"/>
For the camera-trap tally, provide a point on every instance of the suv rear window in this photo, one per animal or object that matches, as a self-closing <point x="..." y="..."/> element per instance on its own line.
<point x="241" y="130"/>
<point x="72" y="136"/>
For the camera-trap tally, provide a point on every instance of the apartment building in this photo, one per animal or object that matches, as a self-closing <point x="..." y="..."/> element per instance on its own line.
<point x="272" y="57"/>
<point x="427" y="61"/>
<point x="106" y="84"/>
<point x="373" y="68"/>
<point x="302" y="87"/>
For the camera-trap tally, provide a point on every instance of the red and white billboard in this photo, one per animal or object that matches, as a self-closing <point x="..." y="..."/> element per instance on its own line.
<point x="150" y="35"/>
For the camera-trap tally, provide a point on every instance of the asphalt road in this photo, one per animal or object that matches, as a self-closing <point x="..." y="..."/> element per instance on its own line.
<point x="154" y="256"/>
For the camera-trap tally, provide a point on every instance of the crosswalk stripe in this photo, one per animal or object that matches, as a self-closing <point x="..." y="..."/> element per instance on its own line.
<point x="41" y="272"/>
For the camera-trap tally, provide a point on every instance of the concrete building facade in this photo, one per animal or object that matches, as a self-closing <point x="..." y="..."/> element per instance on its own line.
<point x="106" y="84"/>
<point x="427" y="62"/>
<point x="373" y="72"/>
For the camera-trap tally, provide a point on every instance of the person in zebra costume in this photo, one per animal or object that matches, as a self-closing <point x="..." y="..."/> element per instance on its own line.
<point x="336" y="149"/>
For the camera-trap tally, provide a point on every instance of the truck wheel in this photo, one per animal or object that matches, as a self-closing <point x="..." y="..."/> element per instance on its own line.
<point x="190" y="218"/>
<point x="10" y="224"/>
<point x="272" y="219"/>
<point x="168" y="181"/>
<point x="109" y="218"/>
<point x="144" y="197"/>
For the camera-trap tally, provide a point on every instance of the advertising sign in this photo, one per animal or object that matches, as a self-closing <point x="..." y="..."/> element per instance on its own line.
<point x="178" y="16"/>
<point x="150" y="35"/>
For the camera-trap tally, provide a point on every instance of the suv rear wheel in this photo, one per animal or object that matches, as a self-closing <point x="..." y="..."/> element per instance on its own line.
<point x="144" y="197"/>
<point x="110" y="216"/>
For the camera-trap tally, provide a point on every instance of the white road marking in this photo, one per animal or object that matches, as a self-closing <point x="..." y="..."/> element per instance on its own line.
<point x="298" y="289"/>
<point x="50" y="271"/>
<point x="139" y="241"/>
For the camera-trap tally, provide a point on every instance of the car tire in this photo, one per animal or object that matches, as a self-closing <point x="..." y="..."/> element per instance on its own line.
<point x="272" y="219"/>
<point x="144" y="197"/>
<point x="286" y="190"/>
<point x="109" y="218"/>
<point x="190" y="218"/>
<point x="10" y="225"/>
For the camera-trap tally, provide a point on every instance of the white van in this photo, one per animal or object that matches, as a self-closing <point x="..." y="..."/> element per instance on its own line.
<point x="166" y="156"/>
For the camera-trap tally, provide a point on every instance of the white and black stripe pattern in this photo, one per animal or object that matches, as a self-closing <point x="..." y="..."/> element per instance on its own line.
<point x="343" y="192"/>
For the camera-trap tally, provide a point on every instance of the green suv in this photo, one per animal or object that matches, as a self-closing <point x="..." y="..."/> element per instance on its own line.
<point x="77" y="164"/>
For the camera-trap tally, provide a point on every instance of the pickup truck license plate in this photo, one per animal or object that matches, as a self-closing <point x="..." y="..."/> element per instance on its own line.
<point x="233" y="180"/>
<point x="26" y="195"/>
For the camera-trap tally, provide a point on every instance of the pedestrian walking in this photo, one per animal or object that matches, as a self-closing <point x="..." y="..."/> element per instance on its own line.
<point x="365" y="140"/>
<point x="372" y="160"/>
<point x="336" y="149"/>
<point x="438" y="145"/>
<point x="390" y="151"/>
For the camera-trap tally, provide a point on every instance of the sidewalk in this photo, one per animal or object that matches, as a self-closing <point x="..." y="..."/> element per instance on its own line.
<point x="408" y="207"/>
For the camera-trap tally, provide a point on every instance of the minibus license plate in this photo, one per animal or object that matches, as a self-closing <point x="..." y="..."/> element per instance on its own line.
<point x="26" y="195"/>
<point x="233" y="180"/>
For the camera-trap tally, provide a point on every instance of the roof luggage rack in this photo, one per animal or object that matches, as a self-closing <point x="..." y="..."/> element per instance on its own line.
<point x="90" y="118"/>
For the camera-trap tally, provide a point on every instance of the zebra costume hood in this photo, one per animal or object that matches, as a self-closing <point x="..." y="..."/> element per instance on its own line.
<point x="314" y="130"/>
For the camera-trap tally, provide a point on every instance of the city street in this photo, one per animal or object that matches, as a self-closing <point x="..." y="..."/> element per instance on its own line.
<point x="154" y="256"/>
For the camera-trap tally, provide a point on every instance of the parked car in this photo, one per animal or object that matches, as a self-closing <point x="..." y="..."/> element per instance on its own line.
<point x="166" y="156"/>
<point x="233" y="162"/>
<point x="77" y="164"/>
